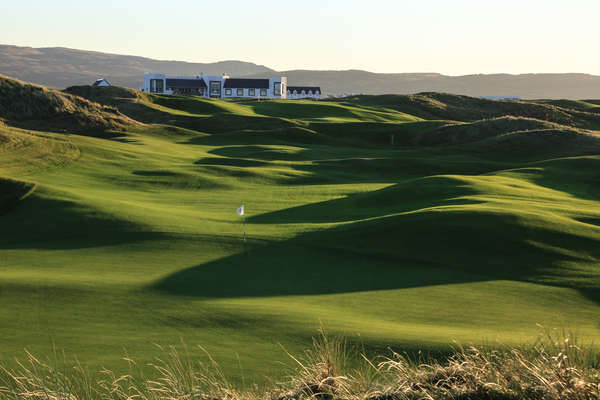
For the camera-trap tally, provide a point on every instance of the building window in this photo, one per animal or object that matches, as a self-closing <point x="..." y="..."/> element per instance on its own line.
<point x="227" y="92"/>
<point x="240" y="92"/>
<point x="263" y="92"/>
<point x="277" y="88"/>
<point x="251" y="92"/>
<point x="215" y="88"/>
<point x="156" y="85"/>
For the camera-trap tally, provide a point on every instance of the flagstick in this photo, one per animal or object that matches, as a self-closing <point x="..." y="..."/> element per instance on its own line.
<point x="244" y="227"/>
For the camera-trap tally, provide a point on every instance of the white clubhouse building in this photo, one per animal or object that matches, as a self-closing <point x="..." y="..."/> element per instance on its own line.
<point x="216" y="86"/>
<point x="226" y="87"/>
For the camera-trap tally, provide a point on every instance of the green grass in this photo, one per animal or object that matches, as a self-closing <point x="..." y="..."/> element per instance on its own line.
<point x="134" y="241"/>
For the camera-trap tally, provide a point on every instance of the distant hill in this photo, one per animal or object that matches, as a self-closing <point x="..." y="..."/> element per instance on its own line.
<point x="526" y="86"/>
<point x="59" y="67"/>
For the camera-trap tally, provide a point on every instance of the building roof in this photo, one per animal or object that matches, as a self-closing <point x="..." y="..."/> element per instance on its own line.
<point x="99" y="81"/>
<point x="185" y="83"/>
<point x="299" y="89"/>
<point x="237" y="83"/>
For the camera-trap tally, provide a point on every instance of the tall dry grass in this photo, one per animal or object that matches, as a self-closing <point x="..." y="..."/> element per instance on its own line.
<point x="555" y="367"/>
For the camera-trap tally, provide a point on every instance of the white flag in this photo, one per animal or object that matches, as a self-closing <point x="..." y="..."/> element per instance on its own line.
<point x="240" y="211"/>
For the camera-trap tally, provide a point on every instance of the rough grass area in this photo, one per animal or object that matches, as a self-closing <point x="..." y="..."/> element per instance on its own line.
<point x="464" y="108"/>
<point x="555" y="368"/>
<point x="27" y="105"/>
<point x="24" y="152"/>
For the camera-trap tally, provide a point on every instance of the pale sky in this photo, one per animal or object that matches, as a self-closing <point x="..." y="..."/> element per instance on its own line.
<point x="454" y="37"/>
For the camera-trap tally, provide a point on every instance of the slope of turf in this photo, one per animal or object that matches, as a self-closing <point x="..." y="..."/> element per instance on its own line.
<point x="462" y="229"/>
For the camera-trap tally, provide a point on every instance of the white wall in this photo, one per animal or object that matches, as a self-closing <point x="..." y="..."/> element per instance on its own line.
<point x="146" y="85"/>
<point x="270" y="91"/>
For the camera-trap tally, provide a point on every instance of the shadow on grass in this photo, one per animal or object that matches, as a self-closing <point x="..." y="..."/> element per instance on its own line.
<point x="397" y="251"/>
<point x="12" y="192"/>
<point x="295" y="269"/>
<point x="231" y="162"/>
<point x="41" y="223"/>
<point x="578" y="176"/>
<point x="410" y="195"/>
<point x="328" y="164"/>
<point x="157" y="173"/>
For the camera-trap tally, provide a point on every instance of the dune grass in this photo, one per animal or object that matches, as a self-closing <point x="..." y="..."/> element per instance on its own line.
<point x="583" y="105"/>
<point x="36" y="107"/>
<point x="556" y="367"/>
<point x="134" y="240"/>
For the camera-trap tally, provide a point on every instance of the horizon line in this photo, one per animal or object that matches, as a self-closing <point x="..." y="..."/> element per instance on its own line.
<point x="306" y="69"/>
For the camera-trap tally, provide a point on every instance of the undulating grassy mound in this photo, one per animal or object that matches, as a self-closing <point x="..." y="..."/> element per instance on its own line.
<point x="500" y="138"/>
<point x="453" y="134"/>
<point x="582" y="105"/>
<point x="540" y="144"/>
<point x="463" y="108"/>
<point x="509" y="137"/>
<point x="24" y="152"/>
<point x="33" y="106"/>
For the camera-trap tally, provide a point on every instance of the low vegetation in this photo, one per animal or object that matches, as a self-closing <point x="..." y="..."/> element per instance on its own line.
<point x="555" y="368"/>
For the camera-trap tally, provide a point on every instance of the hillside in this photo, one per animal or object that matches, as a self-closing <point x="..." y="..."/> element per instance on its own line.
<point x="465" y="108"/>
<point x="26" y="105"/>
<point x="402" y="222"/>
<point x="61" y="68"/>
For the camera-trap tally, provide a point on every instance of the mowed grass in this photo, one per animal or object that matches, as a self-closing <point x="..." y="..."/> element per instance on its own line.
<point x="134" y="241"/>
